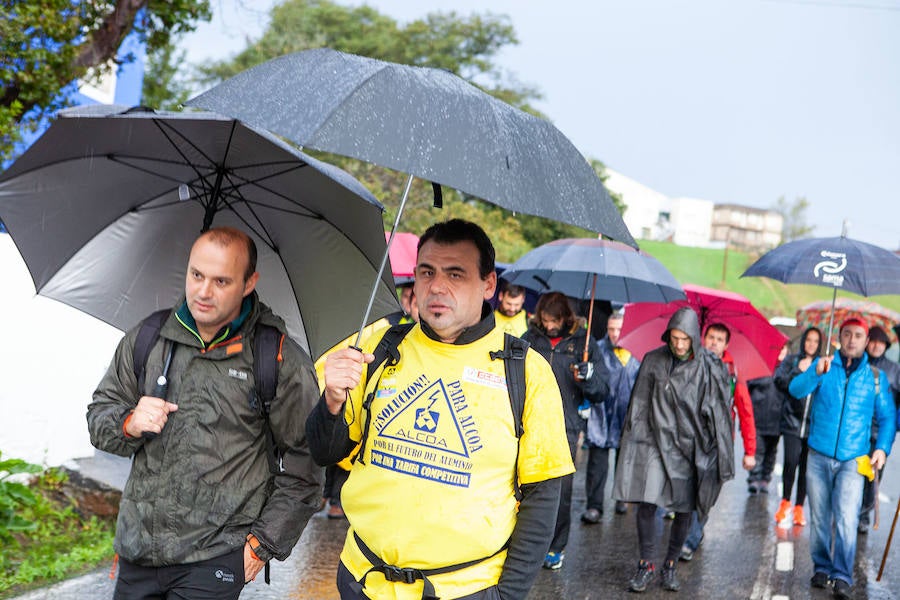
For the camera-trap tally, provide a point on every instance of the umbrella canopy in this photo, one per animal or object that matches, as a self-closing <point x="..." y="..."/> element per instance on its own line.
<point x="569" y="266"/>
<point x="425" y="122"/>
<point x="105" y="206"/>
<point x="754" y="343"/>
<point x="835" y="262"/>
<point x="404" y="253"/>
<point x="818" y="314"/>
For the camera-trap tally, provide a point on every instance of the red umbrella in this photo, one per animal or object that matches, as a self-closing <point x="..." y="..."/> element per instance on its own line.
<point x="816" y="314"/>
<point x="754" y="343"/>
<point x="403" y="254"/>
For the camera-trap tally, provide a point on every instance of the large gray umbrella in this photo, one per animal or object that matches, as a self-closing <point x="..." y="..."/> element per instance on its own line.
<point x="425" y="122"/>
<point x="608" y="270"/>
<point x="105" y="205"/>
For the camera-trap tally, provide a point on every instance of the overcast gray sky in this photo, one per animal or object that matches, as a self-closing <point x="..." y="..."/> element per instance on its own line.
<point x="733" y="101"/>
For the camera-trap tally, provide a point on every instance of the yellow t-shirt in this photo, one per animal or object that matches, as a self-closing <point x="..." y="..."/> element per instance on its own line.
<point x="436" y="484"/>
<point x="516" y="325"/>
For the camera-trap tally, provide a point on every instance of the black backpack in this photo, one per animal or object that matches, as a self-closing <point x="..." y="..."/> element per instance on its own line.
<point x="267" y="342"/>
<point x="513" y="356"/>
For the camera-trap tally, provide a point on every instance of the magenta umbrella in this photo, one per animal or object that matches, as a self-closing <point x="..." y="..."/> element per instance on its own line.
<point x="403" y="254"/>
<point x="754" y="343"/>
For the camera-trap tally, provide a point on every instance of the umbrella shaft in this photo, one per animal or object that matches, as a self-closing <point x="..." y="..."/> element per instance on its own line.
<point x="384" y="260"/>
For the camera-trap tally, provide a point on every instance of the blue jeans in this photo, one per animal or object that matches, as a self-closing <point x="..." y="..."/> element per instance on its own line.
<point x="695" y="536"/>
<point x="834" y="491"/>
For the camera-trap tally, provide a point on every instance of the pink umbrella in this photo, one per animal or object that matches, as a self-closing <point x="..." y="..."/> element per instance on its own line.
<point x="754" y="343"/>
<point x="403" y="255"/>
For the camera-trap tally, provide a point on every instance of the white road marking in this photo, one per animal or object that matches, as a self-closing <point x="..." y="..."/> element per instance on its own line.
<point x="784" y="556"/>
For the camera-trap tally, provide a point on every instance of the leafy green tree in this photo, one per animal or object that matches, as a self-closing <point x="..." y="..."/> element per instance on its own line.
<point x="46" y="46"/>
<point x="795" y="225"/>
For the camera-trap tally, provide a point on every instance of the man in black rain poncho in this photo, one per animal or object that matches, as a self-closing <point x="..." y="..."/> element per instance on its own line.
<point x="677" y="446"/>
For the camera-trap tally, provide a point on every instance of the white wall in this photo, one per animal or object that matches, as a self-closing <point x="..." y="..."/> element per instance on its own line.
<point x="51" y="359"/>
<point x="692" y="220"/>
<point x="643" y="204"/>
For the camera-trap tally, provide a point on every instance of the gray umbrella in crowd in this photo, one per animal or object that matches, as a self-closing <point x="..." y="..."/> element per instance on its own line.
<point x="835" y="262"/>
<point x="105" y="205"/>
<point x="608" y="270"/>
<point x="427" y="123"/>
<point x="594" y="268"/>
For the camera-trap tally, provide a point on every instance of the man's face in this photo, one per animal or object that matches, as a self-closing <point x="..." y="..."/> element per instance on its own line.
<point x="853" y="341"/>
<point x="876" y="348"/>
<point x="406" y="294"/>
<point x="614" y="330"/>
<point x="811" y="344"/>
<point x="449" y="289"/>
<point x="510" y="306"/>
<point x="215" y="286"/>
<point x="552" y="325"/>
<point x="715" y="342"/>
<point x="679" y="343"/>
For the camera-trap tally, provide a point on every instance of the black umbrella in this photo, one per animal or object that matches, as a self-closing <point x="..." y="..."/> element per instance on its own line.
<point x="427" y="123"/>
<point x="105" y="205"/>
<point x="835" y="262"/>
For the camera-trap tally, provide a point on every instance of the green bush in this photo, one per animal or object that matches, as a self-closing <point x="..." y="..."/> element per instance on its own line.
<point x="44" y="539"/>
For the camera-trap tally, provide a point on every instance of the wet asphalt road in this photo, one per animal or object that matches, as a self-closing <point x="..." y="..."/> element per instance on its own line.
<point x="740" y="557"/>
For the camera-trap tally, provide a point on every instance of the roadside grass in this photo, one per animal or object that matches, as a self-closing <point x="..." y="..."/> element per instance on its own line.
<point x="51" y="541"/>
<point x="704" y="266"/>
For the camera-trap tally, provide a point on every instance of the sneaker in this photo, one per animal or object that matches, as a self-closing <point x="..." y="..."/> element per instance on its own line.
<point x="752" y="487"/>
<point x="687" y="555"/>
<point x="554" y="560"/>
<point x="842" y="589"/>
<point x="621" y="507"/>
<point x="335" y="511"/>
<point x="862" y="528"/>
<point x="669" y="581"/>
<point x="799" y="518"/>
<point x="591" y="516"/>
<point x="670" y="515"/>
<point x="642" y="577"/>
<point x="783" y="509"/>
<point x="763" y="486"/>
<point x="819" y="580"/>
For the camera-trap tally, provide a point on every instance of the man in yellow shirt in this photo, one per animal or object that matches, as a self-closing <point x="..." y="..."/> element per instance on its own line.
<point x="510" y="315"/>
<point x="431" y="499"/>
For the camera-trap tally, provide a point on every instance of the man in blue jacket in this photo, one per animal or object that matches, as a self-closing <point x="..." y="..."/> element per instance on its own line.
<point x="847" y="393"/>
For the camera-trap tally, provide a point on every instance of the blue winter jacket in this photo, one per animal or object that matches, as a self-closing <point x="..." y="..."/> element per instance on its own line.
<point x="842" y="409"/>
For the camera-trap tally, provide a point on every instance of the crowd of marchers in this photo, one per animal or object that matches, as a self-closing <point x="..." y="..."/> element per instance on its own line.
<point x="467" y="411"/>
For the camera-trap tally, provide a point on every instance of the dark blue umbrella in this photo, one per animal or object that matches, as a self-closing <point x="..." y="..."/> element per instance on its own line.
<point x="835" y="262"/>
<point x="570" y="266"/>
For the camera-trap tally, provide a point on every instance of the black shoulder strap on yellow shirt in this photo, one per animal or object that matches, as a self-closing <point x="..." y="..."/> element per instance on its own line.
<point x="513" y="354"/>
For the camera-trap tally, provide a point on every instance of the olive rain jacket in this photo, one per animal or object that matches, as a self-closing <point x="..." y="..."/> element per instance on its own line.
<point x="677" y="447"/>
<point x="569" y="351"/>
<point x="204" y="483"/>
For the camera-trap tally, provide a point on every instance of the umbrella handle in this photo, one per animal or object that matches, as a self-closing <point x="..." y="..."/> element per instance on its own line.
<point x="587" y="338"/>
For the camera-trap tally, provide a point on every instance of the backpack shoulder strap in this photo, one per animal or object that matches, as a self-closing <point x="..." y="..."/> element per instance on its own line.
<point x="387" y="351"/>
<point x="514" y="351"/>
<point x="267" y="343"/>
<point x="146" y="338"/>
<point x="877" y="375"/>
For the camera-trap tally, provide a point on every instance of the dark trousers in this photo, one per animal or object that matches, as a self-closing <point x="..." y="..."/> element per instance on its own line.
<point x="766" y="449"/>
<point x="345" y="582"/>
<point x="795" y="453"/>
<point x="220" y="578"/>
<point x="869" y="499"/>
<point x="648" y="526"/>
<point x="564" y="514"/>
<point x="595" y="477"/>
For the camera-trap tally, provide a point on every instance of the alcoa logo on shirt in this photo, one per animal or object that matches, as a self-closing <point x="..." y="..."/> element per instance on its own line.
<point x="427" y="429"/>
<point x="831" y="267"/>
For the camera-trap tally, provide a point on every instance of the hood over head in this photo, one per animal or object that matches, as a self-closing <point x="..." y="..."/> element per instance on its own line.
<point x="686" y="320"/>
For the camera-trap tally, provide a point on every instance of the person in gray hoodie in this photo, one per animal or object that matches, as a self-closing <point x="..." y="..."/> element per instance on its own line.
<point x="677" y="446"/>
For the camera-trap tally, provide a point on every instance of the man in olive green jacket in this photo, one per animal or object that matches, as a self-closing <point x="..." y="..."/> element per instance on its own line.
<point x="201" y="511"/>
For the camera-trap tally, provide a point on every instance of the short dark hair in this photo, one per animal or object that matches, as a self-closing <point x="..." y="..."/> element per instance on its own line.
<point x="720" y="327"/>
<point x="226" y="235"/>
<point x="510" y="289"/>
<point x="458" y="230"/>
